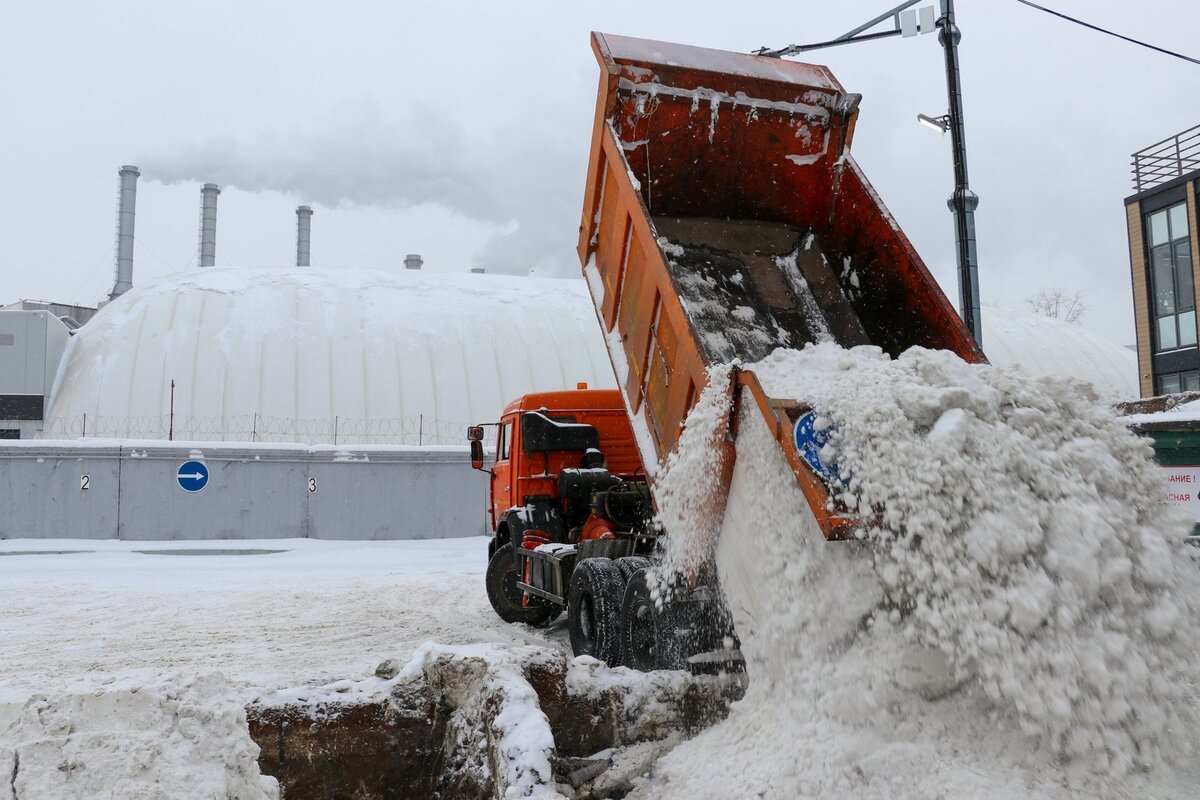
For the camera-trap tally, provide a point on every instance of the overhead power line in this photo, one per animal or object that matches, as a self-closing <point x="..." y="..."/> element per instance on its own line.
<point x="1110" y="33"/>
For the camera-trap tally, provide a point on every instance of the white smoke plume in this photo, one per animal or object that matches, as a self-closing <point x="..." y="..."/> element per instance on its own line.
<point x="527" y="189"/>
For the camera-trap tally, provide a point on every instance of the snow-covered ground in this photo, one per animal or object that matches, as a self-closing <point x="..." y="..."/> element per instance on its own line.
<point x="1022" y="619"/>
<point x="317" y="612"/>
<point x="125" y="670"/>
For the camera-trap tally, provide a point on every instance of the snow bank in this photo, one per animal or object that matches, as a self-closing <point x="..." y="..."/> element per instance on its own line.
<point x="165" y="741"/>
<point x="1019" y="621"/>
<point x="497" y="712"/>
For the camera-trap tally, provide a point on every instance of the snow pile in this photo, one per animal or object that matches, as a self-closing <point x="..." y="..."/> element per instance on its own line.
<point x="176" y="739"/>
<point x="1021" y="621"/>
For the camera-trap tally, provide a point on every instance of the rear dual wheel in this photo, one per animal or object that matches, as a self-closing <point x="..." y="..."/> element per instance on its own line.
<point x="629" y="565"/>
<point x="605" y="623"/>
<point x="594" y="609"/>
<point x="648" y="636"/>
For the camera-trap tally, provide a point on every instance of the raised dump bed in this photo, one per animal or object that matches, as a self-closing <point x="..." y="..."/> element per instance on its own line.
<point x="724" y="217"/>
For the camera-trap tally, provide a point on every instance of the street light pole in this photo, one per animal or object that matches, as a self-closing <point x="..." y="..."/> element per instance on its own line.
<point x="963" y="202"/>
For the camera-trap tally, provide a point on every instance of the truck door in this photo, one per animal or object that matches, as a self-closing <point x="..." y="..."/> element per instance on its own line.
<point x="501" y="494"/>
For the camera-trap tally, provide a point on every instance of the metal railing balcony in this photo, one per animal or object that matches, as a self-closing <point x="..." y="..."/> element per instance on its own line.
<point x="1166" y="160"/>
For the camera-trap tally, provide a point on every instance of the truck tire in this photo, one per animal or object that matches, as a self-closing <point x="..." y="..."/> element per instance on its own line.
<point x="507" y="599"/>
<point x="629" y="565"/>
<point x="648" y="637"/>
<point x="594" y="610"/>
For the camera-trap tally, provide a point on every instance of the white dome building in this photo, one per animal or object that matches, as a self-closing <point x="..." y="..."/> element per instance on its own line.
<point x="304" y="354"/>
<point x="1043" y="346"/>
<point x="366" y="356"/>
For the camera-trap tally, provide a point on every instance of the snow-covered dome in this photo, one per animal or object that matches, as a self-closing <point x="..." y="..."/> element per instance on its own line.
<point x="362" y="356"/>
<point x="1043" y="346"/>
<point x="292" y="354"/>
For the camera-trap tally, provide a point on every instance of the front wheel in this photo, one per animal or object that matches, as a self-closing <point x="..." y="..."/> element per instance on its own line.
<point x="507" y="599"/>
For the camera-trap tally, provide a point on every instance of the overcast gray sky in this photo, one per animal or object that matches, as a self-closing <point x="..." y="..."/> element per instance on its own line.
<point x="460" y="131"/>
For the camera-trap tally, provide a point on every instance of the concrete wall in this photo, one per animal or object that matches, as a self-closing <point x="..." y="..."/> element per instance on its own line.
<point x="129" y="490"/>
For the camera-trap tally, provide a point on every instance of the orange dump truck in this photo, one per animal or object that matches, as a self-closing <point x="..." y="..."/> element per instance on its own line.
<point x="724" y="217"/>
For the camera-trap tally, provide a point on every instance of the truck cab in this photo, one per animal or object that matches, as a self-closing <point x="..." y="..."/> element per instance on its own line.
<point x="525" y="470"/>
<point x="570" y="511"/>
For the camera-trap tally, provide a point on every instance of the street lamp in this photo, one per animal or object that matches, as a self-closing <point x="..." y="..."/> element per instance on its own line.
<point x="910" y="22"/>
<point x="940" y="124"/>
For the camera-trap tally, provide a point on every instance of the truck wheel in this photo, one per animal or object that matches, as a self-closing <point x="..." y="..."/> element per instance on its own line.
<point x="507" y="599"/>
<point x="648" y="638"/>
<point x="629" y="565"/>
<point x="594" y="610"/>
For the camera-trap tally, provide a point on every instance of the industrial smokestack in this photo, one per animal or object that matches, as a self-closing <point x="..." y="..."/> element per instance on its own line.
<point x="413" y="261"/>
<point x="208" y="224"/>
<point x="126" y="202"/>
<point x="303" y="236"/>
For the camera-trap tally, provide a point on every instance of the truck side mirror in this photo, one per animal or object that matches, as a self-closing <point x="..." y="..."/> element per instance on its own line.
<point x="477" y="453"/>
<point x="475" y="433"/>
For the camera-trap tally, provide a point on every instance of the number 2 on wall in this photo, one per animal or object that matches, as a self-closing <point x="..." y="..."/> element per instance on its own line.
<point x="85" y="482"/>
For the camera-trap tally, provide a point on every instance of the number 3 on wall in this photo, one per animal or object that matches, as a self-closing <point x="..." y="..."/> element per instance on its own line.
<point x="312" y="485"/>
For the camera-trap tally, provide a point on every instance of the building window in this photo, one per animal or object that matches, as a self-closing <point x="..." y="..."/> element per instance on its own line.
<point x="1176" y="382"/>
<point x="1171" y="273"/>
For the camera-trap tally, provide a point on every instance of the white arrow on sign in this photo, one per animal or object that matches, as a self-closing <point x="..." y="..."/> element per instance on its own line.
<point x="193" y="475"/>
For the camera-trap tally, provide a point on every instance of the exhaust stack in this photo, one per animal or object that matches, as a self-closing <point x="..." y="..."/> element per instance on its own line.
<point x="303" y="236"/>
<point x="208" y="224"/>
<point x="126" y="203"/>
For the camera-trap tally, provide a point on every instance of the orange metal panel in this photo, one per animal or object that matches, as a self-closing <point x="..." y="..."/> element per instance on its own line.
<point x="610" y="230"/>
<point x="596" y="166"/>
<point x="615" y="274"/>
<point x="634" y="319"/>
<point x="906" y="307"/>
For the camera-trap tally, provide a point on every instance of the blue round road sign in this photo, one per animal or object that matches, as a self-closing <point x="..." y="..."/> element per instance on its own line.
<point x="809" y="442"/>
<point x="192" y="476"/>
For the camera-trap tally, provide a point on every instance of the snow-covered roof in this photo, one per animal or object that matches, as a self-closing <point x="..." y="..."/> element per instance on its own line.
<point x="314" y="344"/>
<point x="1173" y="412"/>
<point x="1043" y="346"/>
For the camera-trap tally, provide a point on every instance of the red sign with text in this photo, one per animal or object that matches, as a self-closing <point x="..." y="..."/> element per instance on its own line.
<point x="1183" y="484"/>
